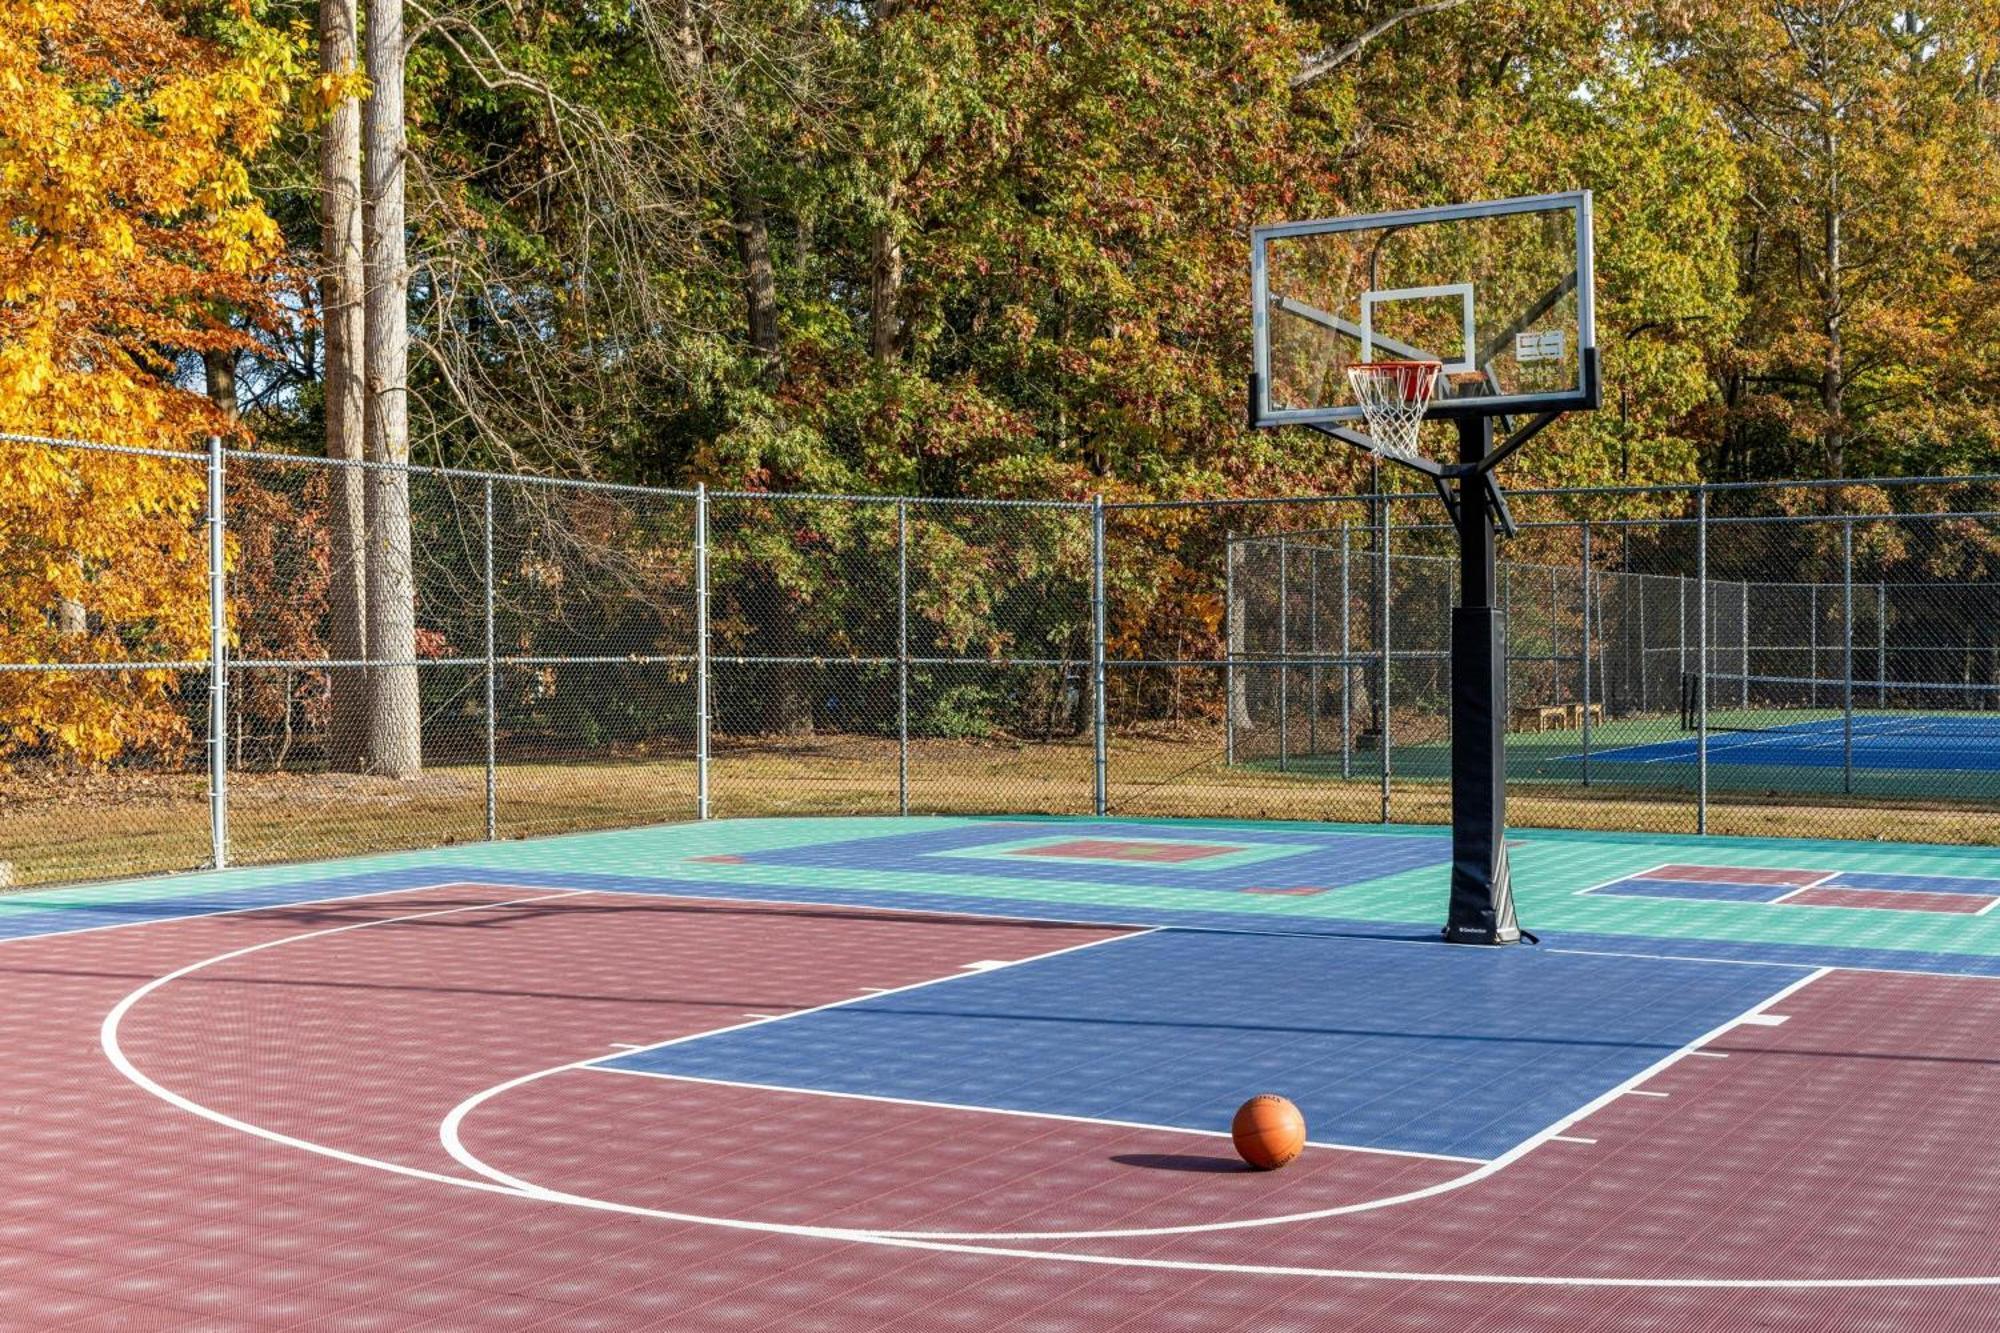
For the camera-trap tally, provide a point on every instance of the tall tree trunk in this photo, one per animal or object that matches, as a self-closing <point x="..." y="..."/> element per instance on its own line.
<point x="394" y="716"/>
<point x="219" y="372"/>
<point x="1833" y="376"/>
<point x="790" y="702"/>
<point x="342" y="282"/>
<point x="760" y="280"/>
<point x="885" y="286"/>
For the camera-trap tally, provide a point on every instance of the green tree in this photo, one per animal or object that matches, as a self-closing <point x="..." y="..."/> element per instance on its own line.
<point x="1867" y="226"/>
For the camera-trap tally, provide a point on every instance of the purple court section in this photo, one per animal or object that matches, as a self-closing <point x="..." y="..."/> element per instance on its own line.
<point x="1323" y="860"/>
<point x="1892" y="900"/>
<point x="1710" y="890"/>
<point x="1399" y="1046"/>
<point x="1960" y="895"/>
<point x="1688" y="874"/>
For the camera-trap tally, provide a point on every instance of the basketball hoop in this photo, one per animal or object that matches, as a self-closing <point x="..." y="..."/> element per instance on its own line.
<point x="1393" y="396"/>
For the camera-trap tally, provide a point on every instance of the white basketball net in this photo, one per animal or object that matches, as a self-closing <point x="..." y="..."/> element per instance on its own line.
<point x="1393" y="396"/>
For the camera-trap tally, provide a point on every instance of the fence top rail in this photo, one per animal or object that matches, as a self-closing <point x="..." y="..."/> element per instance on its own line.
<point x="1292" y="536"/>
<point x="101" y="447"/>
<point x="1581" y="492"/>
<point x="466" y="474"/>
<point x="941" y="501"/>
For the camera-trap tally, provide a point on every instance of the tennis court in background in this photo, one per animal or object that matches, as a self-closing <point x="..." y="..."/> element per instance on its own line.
<point x="1911" y="741"/>
<point x="862" y="1073"/>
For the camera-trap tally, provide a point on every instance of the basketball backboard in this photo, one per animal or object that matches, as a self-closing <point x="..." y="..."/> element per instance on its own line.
<point x="1499" y="293"/>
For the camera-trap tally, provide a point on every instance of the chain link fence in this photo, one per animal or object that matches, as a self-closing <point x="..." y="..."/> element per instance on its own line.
<point x="525" y="656"/>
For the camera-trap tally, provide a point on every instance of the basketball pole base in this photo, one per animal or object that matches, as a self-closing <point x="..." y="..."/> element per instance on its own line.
<point x="1482" y="897"/>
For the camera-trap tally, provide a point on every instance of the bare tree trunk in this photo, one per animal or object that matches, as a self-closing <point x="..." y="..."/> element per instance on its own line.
<point x="342" y="282"/>
<point x="394" y="716"/>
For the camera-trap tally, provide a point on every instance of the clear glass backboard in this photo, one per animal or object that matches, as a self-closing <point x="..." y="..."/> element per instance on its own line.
<point x="1498" y="293"/>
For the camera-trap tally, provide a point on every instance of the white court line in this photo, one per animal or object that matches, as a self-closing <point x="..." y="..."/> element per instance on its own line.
<point x="1006" y="1111"/>
<point x="1767" y="1020"/>
<point x="456" y="881"/>
<point x="109" y="1041"/>
<point x="1630" y="874"/>
<point x="1645" y="1092"/>
<point x="1568" y="1138"/>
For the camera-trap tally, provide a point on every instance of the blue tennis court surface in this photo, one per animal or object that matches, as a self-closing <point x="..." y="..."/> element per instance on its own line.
<point x="1394" y="1046"/>
<point x="1923" y="742"/>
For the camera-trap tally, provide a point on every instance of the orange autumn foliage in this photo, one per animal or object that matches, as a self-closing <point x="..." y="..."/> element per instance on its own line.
<point x="128" y="232"/>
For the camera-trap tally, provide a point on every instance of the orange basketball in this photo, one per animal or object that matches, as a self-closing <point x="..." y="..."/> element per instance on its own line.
<point x="1269" y="1131"/>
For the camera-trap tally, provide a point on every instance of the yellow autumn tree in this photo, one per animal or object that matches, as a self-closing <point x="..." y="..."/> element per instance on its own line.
<point x="128" y="233"/>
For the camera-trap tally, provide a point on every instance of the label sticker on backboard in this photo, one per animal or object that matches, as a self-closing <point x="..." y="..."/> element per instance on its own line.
<point x="1539" y="345"/>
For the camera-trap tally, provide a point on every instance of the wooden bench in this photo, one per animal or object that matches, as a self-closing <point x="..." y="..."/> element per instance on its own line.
<point x="1541" y="717"/>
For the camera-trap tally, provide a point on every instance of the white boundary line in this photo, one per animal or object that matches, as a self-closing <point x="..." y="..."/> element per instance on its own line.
<point x="1630" y="874"/>
<point x="454" y="881"/>
<point x="599" y="1067"/>
<point x="109" y="1041"/>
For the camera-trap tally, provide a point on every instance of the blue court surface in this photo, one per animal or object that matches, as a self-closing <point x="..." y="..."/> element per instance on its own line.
<point x="1409" y="1048"/>
<point x="1922" y="742"/>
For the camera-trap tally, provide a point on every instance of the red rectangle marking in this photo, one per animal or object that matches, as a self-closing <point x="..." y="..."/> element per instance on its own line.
<point x="1112" y="849"/>
<point x="1895" y="900"/>
<point x="1736" y="875"/>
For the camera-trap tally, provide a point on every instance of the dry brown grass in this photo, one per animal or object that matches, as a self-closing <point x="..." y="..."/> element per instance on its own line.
<point x="99" y="828"/>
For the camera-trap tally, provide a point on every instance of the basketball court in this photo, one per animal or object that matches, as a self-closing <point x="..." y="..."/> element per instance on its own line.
<point x="934" y="1073"/>
<point x="978" y="1073"/>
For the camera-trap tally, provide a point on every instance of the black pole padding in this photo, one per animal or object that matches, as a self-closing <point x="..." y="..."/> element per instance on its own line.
<point x="1482" y="900"/>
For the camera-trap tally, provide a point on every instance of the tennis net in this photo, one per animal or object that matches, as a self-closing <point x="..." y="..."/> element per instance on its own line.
<point x="1738" y="702"/>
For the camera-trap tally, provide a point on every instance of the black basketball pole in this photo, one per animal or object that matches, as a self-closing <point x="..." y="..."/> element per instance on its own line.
<point x="1482" y="901"/>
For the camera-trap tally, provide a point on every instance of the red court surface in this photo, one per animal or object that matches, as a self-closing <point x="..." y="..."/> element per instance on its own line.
<point x="330" y="1116"/>
<point x="1124" y="849"/>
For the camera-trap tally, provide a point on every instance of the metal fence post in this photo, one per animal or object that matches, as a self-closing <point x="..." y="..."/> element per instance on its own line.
<point x="1681" y="630"/>
<point x="1312" y="636"/>
<point x="1229" y="648"/>
<point x="1284" y="657"/>
<point x="1639" y="585"/>
<point x="1743" y="699"/>
<point x="1701" y="659"/>
<point x="1346" y="665"/>
<point x="1099" y="731"/>
<point x="1847" y="654"/>
<point x="218" y="666"/>
<point x="1586" y="653"/>
<point x="701" y="802"/>
<point x="492" y="722"/>
<point x="902" y="657"/>
<point x="1382" y="636"/>
<point x="1881" y="643"/>
<point x="1812" y="645"/>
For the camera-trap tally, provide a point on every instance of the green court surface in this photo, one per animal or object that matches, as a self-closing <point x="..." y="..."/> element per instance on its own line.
<point x="1262" y="875"/>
